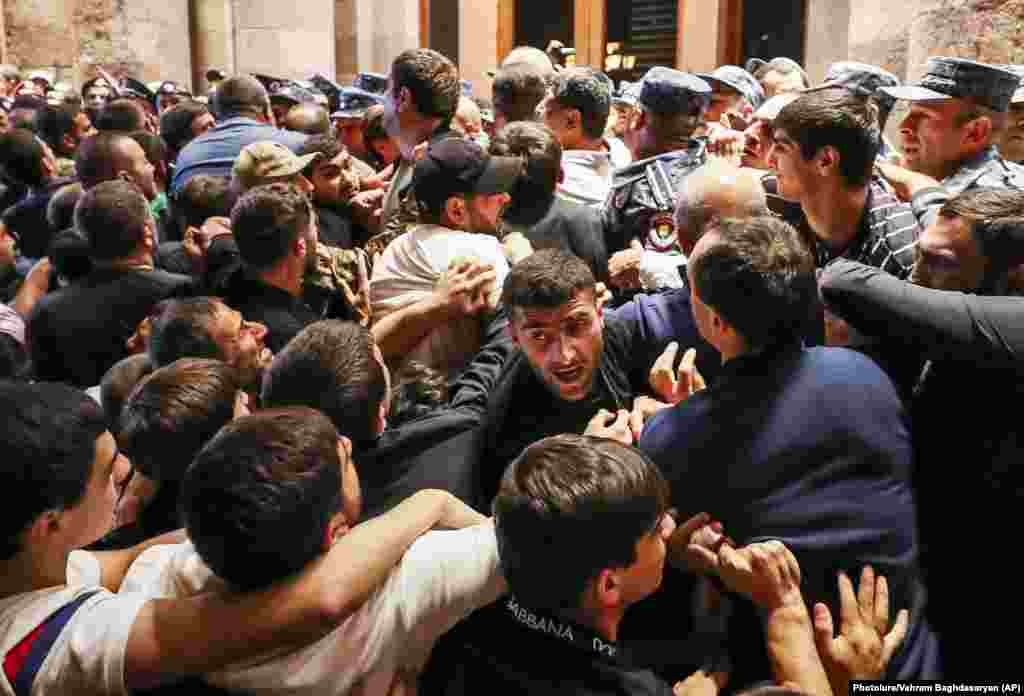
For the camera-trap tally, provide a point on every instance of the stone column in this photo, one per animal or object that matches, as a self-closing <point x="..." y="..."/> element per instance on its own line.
<point x="698" y="44"/>
<point x="478" y="42"/>
<point x="213" y="40"/>
<point x="285" y="39"/>
<point x="826" y="36"/>
<point x="590" y="32"/>
<point x="383" y="30"/>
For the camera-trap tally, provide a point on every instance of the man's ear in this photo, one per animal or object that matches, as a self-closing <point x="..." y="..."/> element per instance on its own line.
<point x="638" y="120"/>
<point x="978" y="131"/>
<point x="337" y="527"/>
<point x="300" y="247"/>
<point x="606" y="589"/>
<point x="455" y="208"/>
<point x="828" y="158"/>
<point x="41" y="532"/>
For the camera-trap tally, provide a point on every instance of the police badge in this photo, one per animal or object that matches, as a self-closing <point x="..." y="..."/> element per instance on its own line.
<point x="662" y="236"/>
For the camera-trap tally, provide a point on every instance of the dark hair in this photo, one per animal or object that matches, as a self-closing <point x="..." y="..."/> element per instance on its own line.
<point x="14" y="362"/>
<point x="173" y="412"/>
<point x="759" y="276"/>
<point x="542" y="152"/>
<point x="418" y="390"/>
<point x="181" y="329"/>
<point x="99" y="158"/>
<point x="267" y="220"/>
<point x="330" y="366"/>
<point x="240" y="95"/>
<point x="311" y="119"/>
<point x="121" y="115"/>
<point x="54" y="122"/>
<point x="21" y="155"/>
<point x="153" y="145"/>
<point x="996" y="216"/>
<point x="559" y="496"/>
<point x="60" y="212"/>
<point x="326" y="145"/>
<point x="583" y="89"/>
<point x="47" y="450"/>
<point x="176" y="123"/>
<point x="258" y="498"/>
<point x="432" y="79"/>
<point x="518" y="89"/>
<point x="112" y="216"/>
<point x="837" y="118"/>
<point x="546" y="278"/>
<point x="69" y="252"/>
<point x="985" y="203"/>
<point x="201" y="197"/>
<point x="117" y="384"/>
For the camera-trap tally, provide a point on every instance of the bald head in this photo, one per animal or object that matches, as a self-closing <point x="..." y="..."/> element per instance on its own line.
<point x="716" y="191"/>
<point x="241" y="95"/>
<point x="311" y="119"/>
<point x="101" y="157"/>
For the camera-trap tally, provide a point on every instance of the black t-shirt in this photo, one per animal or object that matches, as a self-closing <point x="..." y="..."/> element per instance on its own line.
<point x="512" y="649"/>
<point x="335" y="227"/>
<point x="77" y="333"/>
<point x="282" y="313"/>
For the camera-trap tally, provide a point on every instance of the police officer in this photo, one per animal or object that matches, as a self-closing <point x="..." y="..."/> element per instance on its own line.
<point x="376" y="83"/>
<point x="1011" y="140"/>
<point x="643" y="195"/>
<point x="867" y="81"/>
<point x="349" y="120"/>
<point x="956" y="111"/>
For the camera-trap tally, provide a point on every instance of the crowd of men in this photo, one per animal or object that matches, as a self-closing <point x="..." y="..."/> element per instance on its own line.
<point x="686" y="386"/>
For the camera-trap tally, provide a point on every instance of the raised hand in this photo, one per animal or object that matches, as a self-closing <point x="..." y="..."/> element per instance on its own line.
<point x="671" y="385"/>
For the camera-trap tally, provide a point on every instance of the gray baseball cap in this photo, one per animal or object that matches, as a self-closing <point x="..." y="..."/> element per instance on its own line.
<point x="669" y="91"/>
<point x="958" y="78"/>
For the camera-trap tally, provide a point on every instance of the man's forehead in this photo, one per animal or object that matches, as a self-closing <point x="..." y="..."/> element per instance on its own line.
<point x="582" y="303"/>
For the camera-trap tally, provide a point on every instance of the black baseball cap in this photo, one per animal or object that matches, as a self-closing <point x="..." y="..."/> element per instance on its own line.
<point x="453" y="166"/>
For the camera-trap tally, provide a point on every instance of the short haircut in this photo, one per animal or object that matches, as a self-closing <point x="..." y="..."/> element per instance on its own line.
<point x="267" y="220"/>
<point x="373" y="124"/>
<point x="418" y="391"/>
<point x="202" y="197"/>
<point x="121" y="115"/>
<point x="47" y="449"/>
<point x="431" y="78"/>
<point x="716" y="191"/>
<point x="240" y="95"/>
<point x="547" y="278"/>
<point x="259" y="497"/>
<point x="837" y="118"/>
<point x="181" y="329"/>
<point x="330" y="366"/>
<point x="152" y="144"/>
<point x="54" y="122"/>
<point x="69" y="253"/>
<point x="326" y="145"/>
<point x="996" y="216"/>
<point x="542" y="152"/>
<point x="112" y="216"/>
<point x="173" y="412"/>
<point x="518" y="89"/>
<point x="176" y="123"/>
<point x="556" y="498"/>
<point x="311" y="119"/>
<point x="117" y="384"/>
<point x="759" y="276"/>
<point x="583" y="89"/>
<point x="21" y="155"/>
<point x="60" y="212"/>
<point x="100" y="157"/>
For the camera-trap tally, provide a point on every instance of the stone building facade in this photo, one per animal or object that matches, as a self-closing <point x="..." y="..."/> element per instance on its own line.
<point x="181" y="39"/>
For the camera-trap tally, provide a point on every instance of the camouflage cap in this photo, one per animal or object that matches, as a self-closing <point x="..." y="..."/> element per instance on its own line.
<point x="960" y="78"/>
<point x="669" y="91"/>
<point x="265" y="162"/>
<point x="735" y="77"/>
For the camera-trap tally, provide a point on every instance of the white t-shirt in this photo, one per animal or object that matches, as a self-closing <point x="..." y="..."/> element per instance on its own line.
<point x="588" y="177"/>
<point x="409" y="270"/>
<point x="88" y="655"/>
<point x="442" y="578"/>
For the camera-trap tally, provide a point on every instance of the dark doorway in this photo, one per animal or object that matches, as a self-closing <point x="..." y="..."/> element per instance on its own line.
<point x="444" y="28"/>
<point x="541" y="21"/>
<point x="774" y="29"/>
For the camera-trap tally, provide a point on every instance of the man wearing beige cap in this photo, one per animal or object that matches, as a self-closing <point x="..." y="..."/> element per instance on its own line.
<point x="268" y="162"/>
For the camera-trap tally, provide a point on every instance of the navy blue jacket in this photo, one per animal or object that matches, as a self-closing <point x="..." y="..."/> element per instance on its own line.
<point x="811" y="447"/>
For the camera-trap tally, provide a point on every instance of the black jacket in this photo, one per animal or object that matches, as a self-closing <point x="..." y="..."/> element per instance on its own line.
<point x="563" y="224"/>
<point x="436" y="449"/>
